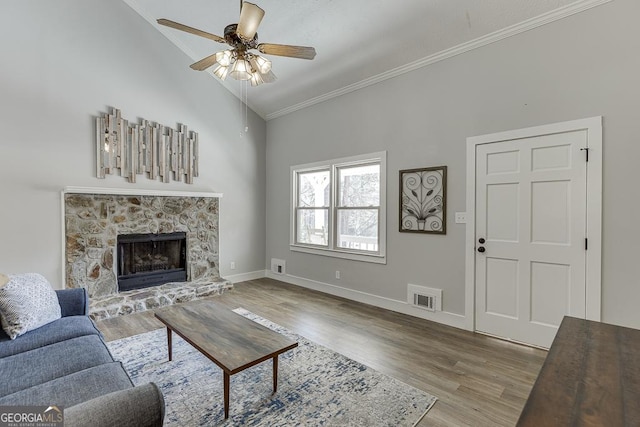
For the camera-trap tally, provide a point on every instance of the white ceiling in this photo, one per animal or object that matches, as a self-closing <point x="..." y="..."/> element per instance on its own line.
<point x="358" y="42"/>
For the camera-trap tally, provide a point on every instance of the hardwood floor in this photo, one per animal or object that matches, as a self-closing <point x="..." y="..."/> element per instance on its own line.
<point x="479" y="380"/>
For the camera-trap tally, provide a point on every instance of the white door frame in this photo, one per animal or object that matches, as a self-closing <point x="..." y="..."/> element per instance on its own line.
<point x="593" y="274"/>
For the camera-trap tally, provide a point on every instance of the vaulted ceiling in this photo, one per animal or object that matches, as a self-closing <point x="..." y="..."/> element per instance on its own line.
<point x="358" y="42"/>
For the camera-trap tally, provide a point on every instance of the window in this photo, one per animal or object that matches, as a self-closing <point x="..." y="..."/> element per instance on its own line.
<point x="312" y="211"/>
<point x="338" y="208"/>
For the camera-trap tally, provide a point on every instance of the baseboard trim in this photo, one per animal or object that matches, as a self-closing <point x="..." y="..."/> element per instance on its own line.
<point x="444" y="317"/>
<point x="243" y="277"/>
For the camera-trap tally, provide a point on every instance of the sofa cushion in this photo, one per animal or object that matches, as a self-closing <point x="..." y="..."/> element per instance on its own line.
<point x="50" y="362"/>
<point x="60" y="330"/>
<point x="73" y="301"/>
<point x="141" y="406"/>
<point x="27" y="301"/>
<point x="74" y="388"/>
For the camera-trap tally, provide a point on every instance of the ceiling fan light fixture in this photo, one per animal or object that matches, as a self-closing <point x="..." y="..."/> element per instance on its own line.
<point x="241" y="69"/>
<point x="238" y="60"/>
<point x="261" y="64"/>
<point x="256" y="79"/>
<point x="224" y="58"/>
<point x="221" y="72"/>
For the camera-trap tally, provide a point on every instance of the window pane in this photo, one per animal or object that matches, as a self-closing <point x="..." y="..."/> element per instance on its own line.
<point x="312" y="226"/>
<point x="313" y="189"/>
<point x="359" y="186"/>
<point x="358" y="229"/>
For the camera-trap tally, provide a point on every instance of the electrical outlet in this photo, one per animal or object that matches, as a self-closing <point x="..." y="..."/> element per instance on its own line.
<point x="232" y="265"/>
<point x="337" y="274"/>
<point x="461" y="217"/>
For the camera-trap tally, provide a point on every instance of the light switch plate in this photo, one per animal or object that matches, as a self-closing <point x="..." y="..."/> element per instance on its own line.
<point x="461" y="217"/>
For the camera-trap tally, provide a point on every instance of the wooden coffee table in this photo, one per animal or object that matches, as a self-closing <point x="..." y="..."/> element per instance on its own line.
<point x="229" y="340"/>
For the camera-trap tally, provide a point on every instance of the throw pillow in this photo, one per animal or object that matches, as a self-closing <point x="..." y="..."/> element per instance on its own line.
<point x="27" y="301"/>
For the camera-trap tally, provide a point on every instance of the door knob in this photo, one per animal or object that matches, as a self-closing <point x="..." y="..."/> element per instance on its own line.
<point x="481" y="249"/>
<point x="481" y="240"/>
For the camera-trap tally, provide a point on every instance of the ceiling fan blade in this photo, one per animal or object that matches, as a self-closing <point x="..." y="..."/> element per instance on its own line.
<point x="250" y="17"/>
<point x="181" y="27"/>
<point x="204" y="63"/>
<point x="301" y="52"/>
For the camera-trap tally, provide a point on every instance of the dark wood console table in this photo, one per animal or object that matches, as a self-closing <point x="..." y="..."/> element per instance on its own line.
<point x="591" y="377"/>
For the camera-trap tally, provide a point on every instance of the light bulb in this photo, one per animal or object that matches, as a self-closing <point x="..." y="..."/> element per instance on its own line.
<point x="240" y="70"/>
<point x="261" y="64"/>
<point x="256" y="79"/>
<point x="221" y="72"/>
<point x="224" y="58"/>
<point x="106" y="141"/>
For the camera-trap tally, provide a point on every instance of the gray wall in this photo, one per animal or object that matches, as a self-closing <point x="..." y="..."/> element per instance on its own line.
<point x="582" y="66"/>
<point x="67" y="61"/>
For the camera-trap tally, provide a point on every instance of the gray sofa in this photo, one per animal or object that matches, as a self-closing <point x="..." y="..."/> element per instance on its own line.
<point x="66" y="363"/>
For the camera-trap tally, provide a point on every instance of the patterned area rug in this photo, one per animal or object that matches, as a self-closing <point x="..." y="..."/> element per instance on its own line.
<point x="316" y="386"/>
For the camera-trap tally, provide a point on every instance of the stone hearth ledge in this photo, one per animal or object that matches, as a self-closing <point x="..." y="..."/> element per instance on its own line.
<point x="154" y="297"/>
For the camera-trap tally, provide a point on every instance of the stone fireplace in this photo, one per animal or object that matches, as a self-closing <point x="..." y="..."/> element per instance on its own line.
<point x="98" y="223"/>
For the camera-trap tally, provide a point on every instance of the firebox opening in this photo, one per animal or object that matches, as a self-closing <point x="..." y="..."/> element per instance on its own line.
<point x="146" y="260"/>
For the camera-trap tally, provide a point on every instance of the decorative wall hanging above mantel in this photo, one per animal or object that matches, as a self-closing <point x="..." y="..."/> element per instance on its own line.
<point x="147" y="148"/>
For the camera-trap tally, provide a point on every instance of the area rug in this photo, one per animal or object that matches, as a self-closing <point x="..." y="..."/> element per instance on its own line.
<point x="316" y="386"/>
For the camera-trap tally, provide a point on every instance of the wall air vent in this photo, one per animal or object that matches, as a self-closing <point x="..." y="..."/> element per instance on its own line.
<point x="424" y="301"/>
<point x="425" y="298"/>
<point x="278" y="266"/>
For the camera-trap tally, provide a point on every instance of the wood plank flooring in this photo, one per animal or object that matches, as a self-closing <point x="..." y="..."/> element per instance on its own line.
<point x="479" y="380"/>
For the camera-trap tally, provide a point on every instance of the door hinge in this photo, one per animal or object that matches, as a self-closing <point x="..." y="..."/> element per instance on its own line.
<point x="586" y="243"/>
<point x="586" y="151"/>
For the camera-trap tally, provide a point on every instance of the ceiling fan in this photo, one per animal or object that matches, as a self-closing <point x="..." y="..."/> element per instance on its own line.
<point x="239" y="62"/>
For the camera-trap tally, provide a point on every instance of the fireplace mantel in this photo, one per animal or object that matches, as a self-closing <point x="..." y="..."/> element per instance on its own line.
<point x="137" y="192"/>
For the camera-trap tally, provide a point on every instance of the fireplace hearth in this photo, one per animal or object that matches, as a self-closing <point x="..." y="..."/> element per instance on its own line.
<point x="146" y="260"/>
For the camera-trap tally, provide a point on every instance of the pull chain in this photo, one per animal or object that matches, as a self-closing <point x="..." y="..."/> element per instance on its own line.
<point x="244" y="99"/>
<point x="241" y="118"/>
<point x="246" y="108"/>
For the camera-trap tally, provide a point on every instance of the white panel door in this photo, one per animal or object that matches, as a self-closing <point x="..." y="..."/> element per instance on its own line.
<point x="531" y="203"/>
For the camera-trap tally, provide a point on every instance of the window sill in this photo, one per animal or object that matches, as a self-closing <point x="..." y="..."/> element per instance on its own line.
<point x="376" y="259"/>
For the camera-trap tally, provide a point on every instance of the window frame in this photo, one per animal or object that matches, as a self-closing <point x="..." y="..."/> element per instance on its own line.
<point x="332" y="249"/>
<point x="297" y="207"/>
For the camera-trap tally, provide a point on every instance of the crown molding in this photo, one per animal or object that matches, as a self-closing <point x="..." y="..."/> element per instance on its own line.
<point x="513" y="30"/>
<point x="529" y="24"/>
